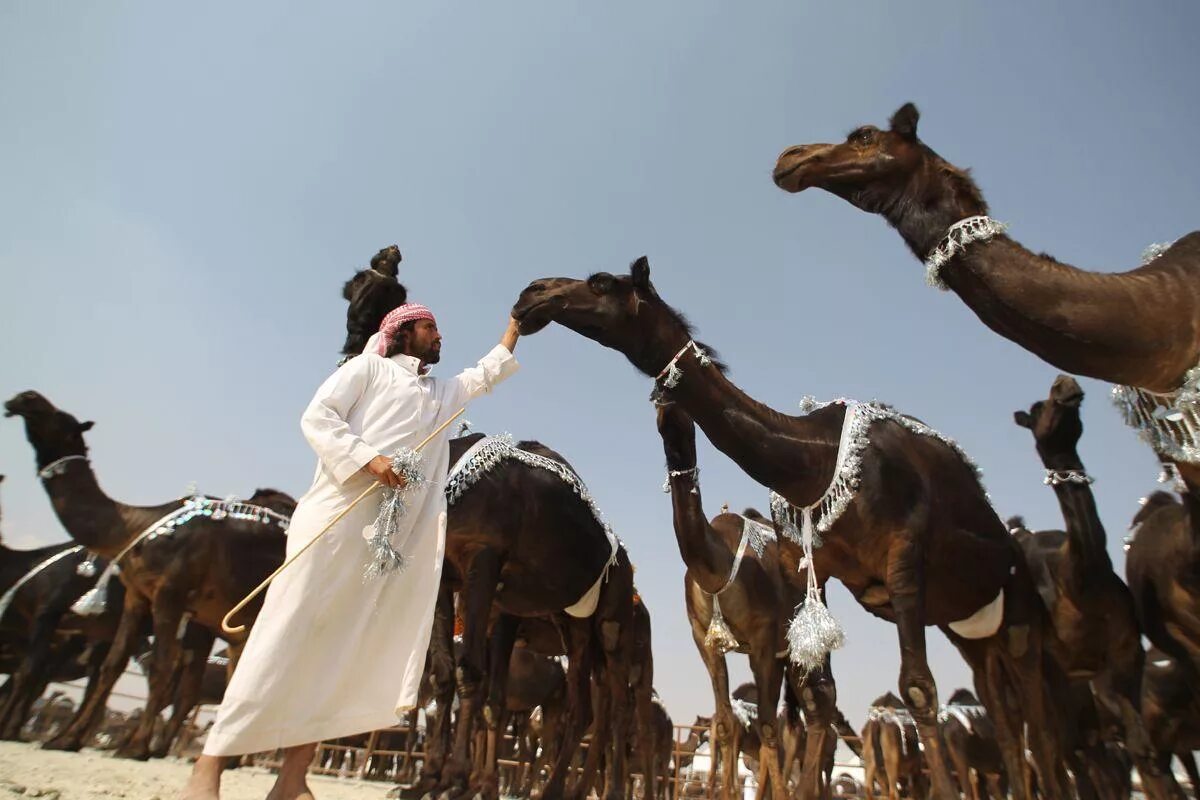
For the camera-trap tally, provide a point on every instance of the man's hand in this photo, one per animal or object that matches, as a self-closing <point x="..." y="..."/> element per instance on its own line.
<point x="509" y="339"/>
<point x="380" y="468"/>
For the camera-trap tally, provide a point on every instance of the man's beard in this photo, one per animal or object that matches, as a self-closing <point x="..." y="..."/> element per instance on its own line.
<point x="432" y="356"/>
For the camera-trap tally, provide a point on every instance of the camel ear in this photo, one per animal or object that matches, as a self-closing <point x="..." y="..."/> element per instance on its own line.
<point x="84" y="427"/>
<point x="640" y="272"/>
<point x="904" y="121"/>
<point x="1023" y="419"/>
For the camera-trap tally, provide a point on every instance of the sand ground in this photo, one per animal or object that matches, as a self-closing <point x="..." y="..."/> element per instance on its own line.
<point x="28" y="771"/>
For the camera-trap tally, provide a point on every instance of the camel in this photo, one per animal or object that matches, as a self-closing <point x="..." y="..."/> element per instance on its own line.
<point x="970" y="740"/>
<point x="1091" y="608"/>
<point x="891" y="750"/>
<point x="916" y="540"/>
<point x="1076" y="320"/>
<point x="1171" y="709"/>
<point x="1160" y="566"/>
<point x="372" y="293"/>
<point x="733" y="561"/>
<point x="201" y="569"/>
<point x="661" y="738"/>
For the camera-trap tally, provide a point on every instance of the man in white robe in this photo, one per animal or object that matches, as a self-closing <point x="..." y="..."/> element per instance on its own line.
<point x="332" y="654"/>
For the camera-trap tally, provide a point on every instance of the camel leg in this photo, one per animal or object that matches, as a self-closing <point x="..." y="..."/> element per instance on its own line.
<point x="723" y="724"/>
<point x="549" y="744"/>
<point x="479" y="591"/>
<point x="818" y="694"/>
<point x="614" y="636"/>
<point x="441" y="676"/>
<point x="25" y="679"/>
<point x="91" y="713"/>
<point x="167" y="616"/>
<point x="957" y="751"/>
<point x="1189" y="766"/>
<point x="905" y="583"/>
<point x="500" y="648"/>
<point x="195" y="660"/>
<point x="985" y="659"/>
<point x="575" y="716"/>
<point x="768" y="678"/>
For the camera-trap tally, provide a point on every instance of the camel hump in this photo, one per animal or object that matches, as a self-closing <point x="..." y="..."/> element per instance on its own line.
<point x="963" y="697"/>
<point x="1185" y="250"/>
<point x="539" y="449"/>
<point x="1152" y="503"/>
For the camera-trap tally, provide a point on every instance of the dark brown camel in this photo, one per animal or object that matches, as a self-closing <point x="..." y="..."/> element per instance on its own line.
<point x="201" y="569"/>
<point x="1078" y="321"/>
<point x="891" y="750"/>
<point x="522" y="539"/>
<point x="372" y="293"/>
<point x="918" y="544"/>
<point x="1091" y="608"/>
<point x="645" y="742"/>
<point x="1171" y="709"/>
<point x="970" y="740"/>
<point x="754" y="602"/>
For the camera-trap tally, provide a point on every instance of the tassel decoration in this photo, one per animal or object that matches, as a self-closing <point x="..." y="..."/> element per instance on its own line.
<point x="385" y="557"/>
<point x="720" y="638"/>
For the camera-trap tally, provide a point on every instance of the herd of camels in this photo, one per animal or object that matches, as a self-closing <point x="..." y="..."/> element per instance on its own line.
<point x="1066" y="699"/>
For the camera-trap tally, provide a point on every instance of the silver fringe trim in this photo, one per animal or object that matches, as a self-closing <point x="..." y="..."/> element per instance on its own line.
<point x="961" y="234"/>
<point x="1170" y="423"/>
<point x="95" y="601"/>
<point x="1155" y="250"/>
<point x="7" y="598"/>
<point x="900" y="717"/>
<point x="693" y="473"/>
<point x="1057" y="477"/>
<point x="967" y="715"/>
<point x="489" y="452"/>
<point x="744" y="711"/>
<point x="385" y="558"/>
<point x="671" y="374"/>
<point x="58" y="466"/>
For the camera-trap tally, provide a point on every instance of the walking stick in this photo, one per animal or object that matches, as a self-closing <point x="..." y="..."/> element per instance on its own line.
<point x="225" y="626"/>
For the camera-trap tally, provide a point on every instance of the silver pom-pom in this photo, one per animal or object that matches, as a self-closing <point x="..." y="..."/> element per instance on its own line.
<point x="95" y="601"/>
<point x="384" y="557"/>
<point x="812" y="634"/>
<point x="719" y="638"/>
<point x="86" y="568"/>
<point x="744" y="711"/>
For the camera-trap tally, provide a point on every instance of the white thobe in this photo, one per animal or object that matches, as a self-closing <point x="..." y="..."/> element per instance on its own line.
<point x="332" y="654"/>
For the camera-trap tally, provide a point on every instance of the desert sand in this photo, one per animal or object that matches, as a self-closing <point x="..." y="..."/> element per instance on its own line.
<point x="28" y="771"/>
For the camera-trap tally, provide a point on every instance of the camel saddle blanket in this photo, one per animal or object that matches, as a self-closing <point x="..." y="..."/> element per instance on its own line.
<point x="984" y="622"/>
<point x="488" y="453"/>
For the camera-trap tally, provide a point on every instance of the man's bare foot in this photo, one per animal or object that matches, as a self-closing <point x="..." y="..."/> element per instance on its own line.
<point x="205" y="780"/>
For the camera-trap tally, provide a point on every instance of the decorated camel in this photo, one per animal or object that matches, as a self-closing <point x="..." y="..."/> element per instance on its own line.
<point x="891" y="750"/>
<point x="372" y="293"/>
<point x="1078" y="321"/>
<point x="736" y="599"/>
<point x="1091" y="608"/>
<point x="906" y="525"/>
<point x="195" y="556"/>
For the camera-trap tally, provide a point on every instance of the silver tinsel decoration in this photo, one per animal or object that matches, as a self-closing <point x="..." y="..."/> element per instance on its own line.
<point x="961" y="234"/>
<point x="671" y="374"/>
<point x="1170" y="423"/>
<point x="7" y="598"/>
<point x="1155" y="250"/>
<point x="967" y="715"/>
<point x="901" y="718"/>
<point x="58" y="466"/>
<point x="757" y="535"/>
<point x="87" y="567"/>
<point x="197" y="505"/>
<point x="744" y="711"/>
<point x="813" y="634"/>
<point x="694" y="473"/>
<point x="719" y="638"/>
<point x="1056" y="477"/>
<point x="385" y="558"/>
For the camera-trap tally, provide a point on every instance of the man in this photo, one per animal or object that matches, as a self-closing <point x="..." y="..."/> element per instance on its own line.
<point x="332" y="654"/>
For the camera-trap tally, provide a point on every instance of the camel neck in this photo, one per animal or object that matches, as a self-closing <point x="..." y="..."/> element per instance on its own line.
<point x="795" y="456"/>
<point x="1086" y="537"/>
<point x="89" y="516"/>
<point x="708" y="558"/>
<point x="1081" y="322"/>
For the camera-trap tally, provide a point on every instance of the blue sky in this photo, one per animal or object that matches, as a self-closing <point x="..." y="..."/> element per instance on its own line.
<point x="185" y="189"/>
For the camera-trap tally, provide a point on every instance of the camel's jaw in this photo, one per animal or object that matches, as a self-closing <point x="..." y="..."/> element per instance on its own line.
<point x="1066" y="391"/>
<point x="797" y="167"/>
<point x="541" y="303"/>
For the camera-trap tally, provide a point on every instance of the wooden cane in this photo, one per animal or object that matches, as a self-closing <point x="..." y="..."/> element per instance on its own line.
<point x="225" y="626"/>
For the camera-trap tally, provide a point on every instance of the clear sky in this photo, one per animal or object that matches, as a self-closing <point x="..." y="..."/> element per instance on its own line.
<point x="183" y="190"/>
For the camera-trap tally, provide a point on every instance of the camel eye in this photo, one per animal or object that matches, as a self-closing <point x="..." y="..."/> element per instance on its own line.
<point x="601" y="283"/>
<point x="862" y="136"/>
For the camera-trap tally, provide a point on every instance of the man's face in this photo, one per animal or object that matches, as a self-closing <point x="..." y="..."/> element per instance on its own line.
<point x="425" y="342"/>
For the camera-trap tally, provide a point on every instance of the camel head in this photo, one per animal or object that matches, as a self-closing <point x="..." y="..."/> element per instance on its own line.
<point x="962" y="697"/>
<point x="52" y="433"/>
<point x="1055" y="421"/>
<point x="372" y="293"/>
<point x="622" y="312"/>
<point x="882" y="171"/>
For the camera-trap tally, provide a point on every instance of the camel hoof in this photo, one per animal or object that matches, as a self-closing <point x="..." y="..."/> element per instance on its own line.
<point x="65" y="745"/>
<point x="133" y="753"/>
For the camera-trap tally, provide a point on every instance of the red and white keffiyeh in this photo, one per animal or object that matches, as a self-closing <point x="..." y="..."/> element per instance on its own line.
<point x="399" y="315"/>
